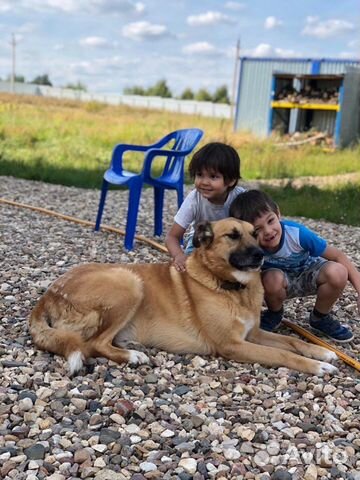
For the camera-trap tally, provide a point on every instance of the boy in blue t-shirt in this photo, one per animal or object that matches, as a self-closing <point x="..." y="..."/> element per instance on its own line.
<point x="297" y="263"/>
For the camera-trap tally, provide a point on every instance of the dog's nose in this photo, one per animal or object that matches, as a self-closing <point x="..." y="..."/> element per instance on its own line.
<point x="256" y="253"/>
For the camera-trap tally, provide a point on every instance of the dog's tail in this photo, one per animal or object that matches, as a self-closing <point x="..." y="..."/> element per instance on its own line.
<point x="60" y="341"/>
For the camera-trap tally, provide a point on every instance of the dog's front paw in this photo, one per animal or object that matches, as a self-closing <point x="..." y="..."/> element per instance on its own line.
<point x="136" y="358"/>
<point x="330" y="356"/>
<point x="326" y="368"/>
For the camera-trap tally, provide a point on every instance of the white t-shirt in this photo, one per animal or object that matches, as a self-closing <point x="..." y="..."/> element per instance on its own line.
<point x="196" y="208"/>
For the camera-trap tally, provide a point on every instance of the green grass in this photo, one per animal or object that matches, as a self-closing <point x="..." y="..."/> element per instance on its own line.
<point x="70" y="143"/>
<point x="265" y="160"/>
<point x="337" y="204"/>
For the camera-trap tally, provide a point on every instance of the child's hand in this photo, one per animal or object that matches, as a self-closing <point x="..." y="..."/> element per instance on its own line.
<point x="179" y="262"/>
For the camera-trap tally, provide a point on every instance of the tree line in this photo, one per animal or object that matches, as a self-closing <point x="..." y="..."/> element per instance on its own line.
<point x="45" y="80"/>
<point x="161" y="89"/>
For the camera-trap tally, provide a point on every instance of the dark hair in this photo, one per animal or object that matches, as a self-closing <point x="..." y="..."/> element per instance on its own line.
<point x="218" y="157"/>
<point x="251" y="205"/>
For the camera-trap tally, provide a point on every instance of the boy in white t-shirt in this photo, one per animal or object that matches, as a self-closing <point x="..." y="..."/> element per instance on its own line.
<point x="215" y="169"/>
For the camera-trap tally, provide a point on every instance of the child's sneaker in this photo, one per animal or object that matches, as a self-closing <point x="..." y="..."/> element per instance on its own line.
<point x="270" y="320"/>
<point x="331" y="328"/>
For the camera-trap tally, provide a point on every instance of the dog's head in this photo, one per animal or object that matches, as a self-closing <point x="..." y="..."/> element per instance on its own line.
<point x="229" y="249"/>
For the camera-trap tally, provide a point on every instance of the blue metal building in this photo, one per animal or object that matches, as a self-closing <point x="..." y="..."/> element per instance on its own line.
<point x="256" y="91"/>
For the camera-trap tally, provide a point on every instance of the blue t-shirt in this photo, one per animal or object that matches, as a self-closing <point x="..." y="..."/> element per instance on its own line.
<point x="299" y="248"/>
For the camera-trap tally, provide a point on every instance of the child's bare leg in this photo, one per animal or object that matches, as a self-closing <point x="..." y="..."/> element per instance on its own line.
<point x="331" y="281"/>
<point x="275" y="284"/>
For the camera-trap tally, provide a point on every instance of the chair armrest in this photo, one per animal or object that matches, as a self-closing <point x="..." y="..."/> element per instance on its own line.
<point x="123" y="147"/>
<point x="156" y="152"/>
<point x="120" y="149"/>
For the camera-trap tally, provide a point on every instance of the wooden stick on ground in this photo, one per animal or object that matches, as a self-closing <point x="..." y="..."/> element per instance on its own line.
<point x="314" y="339"/>
<point x="107" y="228"/>
<point x="296" y="143"/>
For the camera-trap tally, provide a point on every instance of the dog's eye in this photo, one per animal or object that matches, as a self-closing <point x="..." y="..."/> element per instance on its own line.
<point x="235" y="235"/>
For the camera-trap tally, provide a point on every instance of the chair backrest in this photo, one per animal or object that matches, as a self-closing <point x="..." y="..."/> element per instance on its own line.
<point x="185" y="141"/>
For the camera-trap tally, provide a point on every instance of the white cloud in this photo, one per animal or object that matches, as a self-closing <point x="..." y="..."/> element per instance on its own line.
<point x="326" y="28"/>
<point x="346" y="55"/>
<point x="115" y="6"/>
<point x="262" y="50"/>
<point x="266" y="50"/>
<point x="62" y="5"/>
<point x="208" y="18"/>
<point x="94" y="42"/>
<point x="272" y="22"/>
<point x="201" y="48"/>
<point x="144" y="29"/>
<point x="100" y="65"/>
<point x="235" y="6"/>
<point x="6" y="6"/>
<point x="82" y="67"/>
<point x="117" y="62"/>
<point x="139" y="7"/>
<point x="27" y="28"/>
<point x="354" y="43"/>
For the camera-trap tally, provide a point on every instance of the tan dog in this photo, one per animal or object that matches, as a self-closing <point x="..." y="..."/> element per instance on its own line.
<point x="212" y="309"/>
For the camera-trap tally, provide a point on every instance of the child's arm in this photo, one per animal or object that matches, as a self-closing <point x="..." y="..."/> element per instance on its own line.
<point x="335" y="255"/>
<point x="172" y="242"/>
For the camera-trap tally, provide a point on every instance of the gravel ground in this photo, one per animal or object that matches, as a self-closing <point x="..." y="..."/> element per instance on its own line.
<point x="182" y="417"/>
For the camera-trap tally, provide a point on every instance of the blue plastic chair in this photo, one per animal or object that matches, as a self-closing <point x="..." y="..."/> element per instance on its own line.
<point x="172" y="176"/>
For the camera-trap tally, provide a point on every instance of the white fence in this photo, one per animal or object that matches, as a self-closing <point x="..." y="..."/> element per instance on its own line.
<point x="191" y="107"/>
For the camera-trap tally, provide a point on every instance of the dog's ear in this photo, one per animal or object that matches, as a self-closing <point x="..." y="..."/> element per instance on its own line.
<point x="203" y="235"/>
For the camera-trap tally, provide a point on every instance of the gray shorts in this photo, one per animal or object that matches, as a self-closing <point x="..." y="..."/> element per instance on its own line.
<point x="304" y="283"/>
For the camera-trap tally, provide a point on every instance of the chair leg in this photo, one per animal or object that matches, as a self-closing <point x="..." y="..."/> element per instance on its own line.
<point x="158" y="210"/>
<point x="104" y="190"/>
<point x="180" y="195"/>
<point x="133" y="208"/>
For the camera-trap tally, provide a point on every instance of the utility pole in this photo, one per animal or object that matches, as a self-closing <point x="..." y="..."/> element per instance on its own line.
<point x="13" y="47"/>
<point x="233" y="93"/>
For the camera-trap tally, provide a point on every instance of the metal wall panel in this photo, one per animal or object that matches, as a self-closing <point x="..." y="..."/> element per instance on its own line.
<point x="335" y="67"/>
<point x="324" y="121"/>
<point x="350" y="114"/>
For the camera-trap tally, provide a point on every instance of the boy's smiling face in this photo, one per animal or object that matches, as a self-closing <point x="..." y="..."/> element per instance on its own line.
<point x="268" y="229"/>
<point x="212" y="186"/>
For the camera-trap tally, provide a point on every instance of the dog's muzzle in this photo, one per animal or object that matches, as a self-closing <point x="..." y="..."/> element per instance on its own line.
<point x="250" y="259"/>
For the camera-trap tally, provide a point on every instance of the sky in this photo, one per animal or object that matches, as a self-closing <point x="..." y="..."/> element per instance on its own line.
<point x="108" y="45"/>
